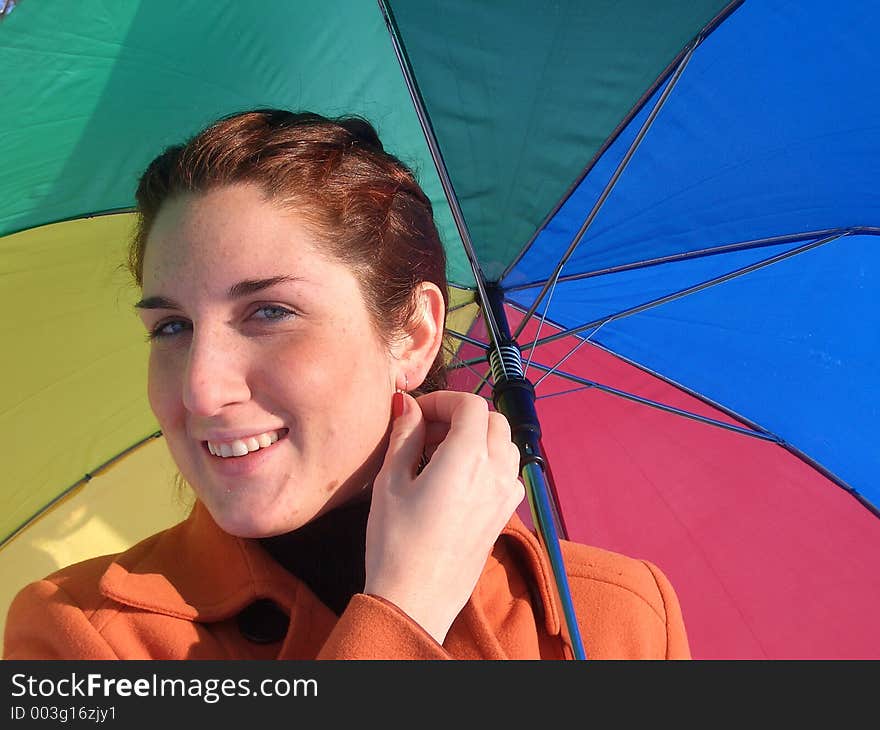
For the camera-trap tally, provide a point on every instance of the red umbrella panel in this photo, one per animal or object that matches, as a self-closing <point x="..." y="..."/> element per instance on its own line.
<point x="769" y="558"/>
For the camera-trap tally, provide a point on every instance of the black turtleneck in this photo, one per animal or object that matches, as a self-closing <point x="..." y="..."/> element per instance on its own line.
<point x="327" y="554"/>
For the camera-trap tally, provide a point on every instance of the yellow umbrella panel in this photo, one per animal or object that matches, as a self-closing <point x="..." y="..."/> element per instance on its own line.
<point x="74" y="401"/>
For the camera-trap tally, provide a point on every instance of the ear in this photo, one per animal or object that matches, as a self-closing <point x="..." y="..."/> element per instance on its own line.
<point x="414" y="353"/>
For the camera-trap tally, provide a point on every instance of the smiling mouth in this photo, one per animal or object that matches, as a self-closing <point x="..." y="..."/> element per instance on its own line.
<point x="242" y="447"/>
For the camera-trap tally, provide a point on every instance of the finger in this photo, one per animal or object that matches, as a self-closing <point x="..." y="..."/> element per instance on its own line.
<point x="465" y="414"/>
<point x="406" y="442"/>
<point x="498" y="432"/>
<point x="518" y="494"/>
<point x="435" y="433"/>
<point x="499" y="444"/>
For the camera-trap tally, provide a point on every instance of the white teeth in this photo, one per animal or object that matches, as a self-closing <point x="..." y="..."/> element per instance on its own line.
<point x="241" y="447"/>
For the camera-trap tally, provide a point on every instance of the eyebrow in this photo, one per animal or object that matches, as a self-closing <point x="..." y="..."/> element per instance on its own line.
<point x="236" y="291"/>
<point x="252" y="286"/>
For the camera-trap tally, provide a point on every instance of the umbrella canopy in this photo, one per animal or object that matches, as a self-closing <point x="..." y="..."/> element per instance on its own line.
<point x="677" y="195"/>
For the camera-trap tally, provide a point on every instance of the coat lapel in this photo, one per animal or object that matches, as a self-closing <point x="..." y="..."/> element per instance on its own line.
<point x="196" y="571"/>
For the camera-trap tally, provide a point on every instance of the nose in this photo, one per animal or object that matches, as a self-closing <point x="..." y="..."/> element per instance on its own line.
<point x="216" y="374"/>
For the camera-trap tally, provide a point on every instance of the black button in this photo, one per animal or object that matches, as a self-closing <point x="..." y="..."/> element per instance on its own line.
<point x="263" y="622"/>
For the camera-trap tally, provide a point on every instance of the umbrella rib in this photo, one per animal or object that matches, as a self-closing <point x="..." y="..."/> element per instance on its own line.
<point x="690" y="290"/>
<point x="763" y="435"/>
<point x="467" y="363"/>
<point x="586" y="384"/>
<point x="468" y="339"/>
<point x="87" y="477"/>
<point x="465" y="303"/>
<point x="440" y="165"/>
<point x="563" y="392"/>
<point x="610" y="184"/>
<point x="730" y="248"/>
<point x="456" y="307"/>
<point x="616" y="132"/>
<point x="482" y="379"/>
<point x="572" y="351"/>
<point x="69" y="219"/>
<point x="540" y="325"/>
<point x="751" y="424"/>
<point x="475" y="372"/>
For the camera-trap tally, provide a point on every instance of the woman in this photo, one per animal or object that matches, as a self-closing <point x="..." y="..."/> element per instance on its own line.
<point x="294" y="293"/>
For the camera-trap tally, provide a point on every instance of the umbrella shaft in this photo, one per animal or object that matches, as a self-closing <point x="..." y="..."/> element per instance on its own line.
<point x="542" y="515"/>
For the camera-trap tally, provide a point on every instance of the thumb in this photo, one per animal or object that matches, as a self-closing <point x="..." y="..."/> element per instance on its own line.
<point x="407" y="440"/>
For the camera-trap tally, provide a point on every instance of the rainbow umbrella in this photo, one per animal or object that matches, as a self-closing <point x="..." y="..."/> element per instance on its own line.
<point x="670" y="207"/>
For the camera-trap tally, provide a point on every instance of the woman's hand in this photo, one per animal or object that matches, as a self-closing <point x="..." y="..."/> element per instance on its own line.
<point x="429" y="534"/>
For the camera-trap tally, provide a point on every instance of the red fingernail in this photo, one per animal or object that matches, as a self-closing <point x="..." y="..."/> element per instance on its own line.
<point x="397" y="404"/>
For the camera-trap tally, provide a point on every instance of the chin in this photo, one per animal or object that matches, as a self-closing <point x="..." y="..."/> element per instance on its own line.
<point x="241" y="519"/>
<point x="248" y="526"/>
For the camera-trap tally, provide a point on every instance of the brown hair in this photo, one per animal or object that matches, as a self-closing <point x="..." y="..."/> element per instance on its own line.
<point x="365" y="203"/>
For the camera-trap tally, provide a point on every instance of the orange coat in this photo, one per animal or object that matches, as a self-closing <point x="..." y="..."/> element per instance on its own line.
<point x="177" y="595"/>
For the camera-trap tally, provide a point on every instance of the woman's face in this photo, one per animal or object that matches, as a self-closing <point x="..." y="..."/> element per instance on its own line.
<point x="261" y="346"/>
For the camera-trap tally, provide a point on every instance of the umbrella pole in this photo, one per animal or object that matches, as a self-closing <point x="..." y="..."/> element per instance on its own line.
<point x="514" y="396"/>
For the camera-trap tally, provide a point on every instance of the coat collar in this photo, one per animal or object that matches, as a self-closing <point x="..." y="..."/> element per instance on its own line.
<point x="196" y="571"/>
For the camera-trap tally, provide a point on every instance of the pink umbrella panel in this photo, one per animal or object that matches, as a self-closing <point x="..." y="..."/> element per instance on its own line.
<point x="770" y="559"/>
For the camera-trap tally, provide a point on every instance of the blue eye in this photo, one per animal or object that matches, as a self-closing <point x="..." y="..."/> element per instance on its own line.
<point x="272" y="313"/>
<point x="168" y="329"/>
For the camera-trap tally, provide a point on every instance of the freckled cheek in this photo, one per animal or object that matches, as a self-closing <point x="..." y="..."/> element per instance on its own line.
<point x="164" y="389"/>
<point x="309" y="361"/>
<point x="299" y="385"/>
<point x="329" y="387"/>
